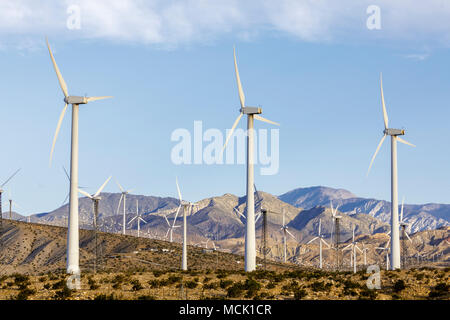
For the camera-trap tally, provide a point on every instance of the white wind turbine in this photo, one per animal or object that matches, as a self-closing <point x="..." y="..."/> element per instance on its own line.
<point x="259" y="214"/>
<point x="252" y="113"/>
<point x="284" y="227"/>
<point x="403" y="224"/>
<point x="11" y="204"/>
<point x="395" y="136"/>
<point x="187" y="209"/>
<point x="73" y="265"/>
<point x="138" y="218"/>
<point x="321" y="240"/>
<point x="386" y="249"/>
<point x="353" y="246"/>
<point x="124" y="197"/>
<point x="95" y="200"/>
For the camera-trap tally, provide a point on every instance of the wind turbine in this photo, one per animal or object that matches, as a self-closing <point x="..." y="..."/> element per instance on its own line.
<point x="321" y="240"/>
<point x="337" y="231"/>
<point x="124" y="197"/>
<point x="395" y="136"/>
<point x="284" y="227"/>
<point x="138" y="218"/>
<point x="11" y="204"/>
<point x="252" y="113"/>
<point x="258" y="205"/>
<point x="404" y="226"/>
<point x="187" y="208"/>
<point x="1" y="212"/>
<point x="95" y="200"/>
<point x="386" y="249"/>
<point x="73" y="265"/>
<point x="353" y="246"/>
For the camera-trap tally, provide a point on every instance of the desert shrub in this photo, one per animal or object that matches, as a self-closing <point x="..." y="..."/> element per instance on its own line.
<point x="236" y="290"/>
<point x="146" y="297"/>
<point x="319" y="286"/>
<point x="210" y="285"/>
<point x="158" y="273"/>
<point x="63" y="294"/>
<point x="103" y="296"/>
<point x="47" y="286"/>
<point x="300" y="294"/>
<point x="24" y="293"/>
<point x="399" y="285"/>
<point x="439" y="290"/>
<point x="42" y="279"/>
<point x="419" y="276"/>
<point x="270" y="285"/>
<point x="367" y="294"/>
<point x="136" y="285"/>
<point x="206" y="280"/>
<point x="173" y="279"/>
<point x="92" y="284"/>
<point x="153" y="284"/>
<point x="59" y="285"/>
<point x="191" y="284"/>
<point x="225" y="283"/>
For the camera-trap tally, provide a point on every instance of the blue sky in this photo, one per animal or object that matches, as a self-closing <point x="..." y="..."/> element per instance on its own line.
<point x="318" y="79"/>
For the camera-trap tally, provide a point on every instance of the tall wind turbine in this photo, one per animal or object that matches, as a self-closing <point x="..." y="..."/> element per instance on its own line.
<point x="353" y="246"/>
<point x="337" y="231"/>
<point x="95" y="199"/>
<point x="395" y="136"/>
<point x="252" y="113"/>
<point x="284" y="227"/>
<point x="124" y="197"/>
<point x="386" y="249"/>
<point x="138" y="218"/>
<point x="321" y="240"/>
<point x="73" y="257"/>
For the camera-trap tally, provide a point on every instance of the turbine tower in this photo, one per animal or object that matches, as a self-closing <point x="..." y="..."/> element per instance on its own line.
<point x="1" y="212"/>
<point x="95" y="199"/>
<point x="124" y="197"/>
<point x="11" y="204"/>
<point x="284" y="227"/>
<point x="337" y="232"/>
<point x="73" y="254"/>
<point x="395" y="136"/>
<point x="138" y="218"/>
<point x="405" y="235"/>
<point x="252" y="113"/>
<point x="321" y="240"/>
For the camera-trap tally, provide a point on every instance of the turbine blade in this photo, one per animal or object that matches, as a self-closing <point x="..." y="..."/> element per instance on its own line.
<point x="85" y="193"/>
<point x="132" y="220"/>
<point x="287" y="231"/>
<point x="168" y="223"/>
<point x="142" y="220"/>
<point x="65" y="199"/>
<point x="98" y="98"/>
<point x="178" y="189"/>
<point x="239" y="213"/>
<point x="176" y="215"/>
<point x="323" y="240"/>
<point x="232" y="130"/>
<point x="409" y="238"/>
<point x="385" y="116"/>
<point x="62" y="83"/>
<point x="320" y="225"/>
<point x="102" y="187"/>
<point x="258" y="117"/>
<point x="313" y="239"/>
<point x="238" y="80"/>
<point x="9" y="179"/>
<point x="58" y="126"/>
<point x="401" y="211"/>
<point x="67" y="175"/>
<point x="120" y="187"/>
<point x="404" y="142"/>
<point x="120" y="201"/>
<point x="345" y="248"/>
<point x="375" y="154"/>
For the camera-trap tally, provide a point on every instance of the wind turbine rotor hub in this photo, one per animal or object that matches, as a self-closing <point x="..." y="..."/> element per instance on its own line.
<point x="394" y="132"/>
<point x="251" y="110"/>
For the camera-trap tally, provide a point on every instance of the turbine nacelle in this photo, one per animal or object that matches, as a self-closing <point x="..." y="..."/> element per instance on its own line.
<point x="251" y="110"/>
<point x="394" y="132"/>
<point x="76" y="100"/>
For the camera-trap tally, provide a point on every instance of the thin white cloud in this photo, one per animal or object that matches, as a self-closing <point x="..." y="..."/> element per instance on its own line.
<point x="174" y="22"/>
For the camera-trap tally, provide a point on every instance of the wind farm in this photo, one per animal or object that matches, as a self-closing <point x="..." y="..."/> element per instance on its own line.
<point x="319" y="226"/>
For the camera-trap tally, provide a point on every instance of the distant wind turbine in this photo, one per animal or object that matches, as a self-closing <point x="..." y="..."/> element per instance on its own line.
<point x="73" y="246"/>
<point x="124" y="197"/>
<point x="353" y="246"/>
<point x="284" y="227"/>
<point x="321" y="240"/>
<point x="138" y="218"/>
<point x="252" y="113"/>
<point x="395" y="136"/>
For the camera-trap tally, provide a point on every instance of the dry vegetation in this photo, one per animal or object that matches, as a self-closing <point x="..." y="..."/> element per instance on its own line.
<point x="422" y="283"/>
